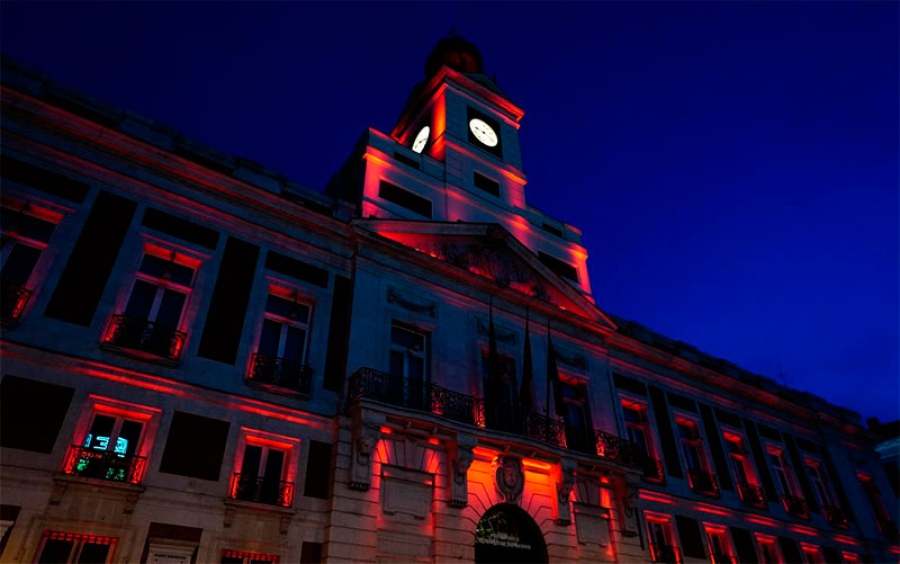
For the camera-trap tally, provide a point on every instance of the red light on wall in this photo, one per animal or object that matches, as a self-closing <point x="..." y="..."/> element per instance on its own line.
<point x="386" y="430"/>
<point x="528" y="463"/>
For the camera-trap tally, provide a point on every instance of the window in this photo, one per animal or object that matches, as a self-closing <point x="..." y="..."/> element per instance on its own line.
<point x="785" y="482"/>
<point x="811" y="554"/>
<point x="238" y="557"/>
<point x="154" y="310"/>
<point x="489" y="185"/>
<point x="404" y="198"/>
<point x="701" y="480"/>
<point x="768" y="550"/>
<point x="25" y="234"/>
<point x="408" y="366"/>
<point x="500" y="393"/>
<point x="266" y="465"/>
<point x="560" y="267"/>
<point x="280" y="359"/>
<point x="663" y="548"/>
<point x="747" y="484"/>
<point x="885" y="524"/>
<point x="637" y="430"/>
<point x="720" y="549"/>
<point x="71" y="548"/>
<point x="110" y="442"/>
<point x="577" y="417"/>
<point x="824" y="492"/>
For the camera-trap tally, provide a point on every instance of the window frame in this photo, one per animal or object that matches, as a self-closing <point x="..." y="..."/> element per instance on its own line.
<point x="290" y="446"/>
<point x="719" y="532"/>
<point x="96" y="405"/>
<point x="78" y="541"/>
<point x="771" y="542"/>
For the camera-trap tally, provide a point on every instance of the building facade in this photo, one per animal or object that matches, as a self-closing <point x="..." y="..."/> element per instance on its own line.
<point x="205" y="362"/>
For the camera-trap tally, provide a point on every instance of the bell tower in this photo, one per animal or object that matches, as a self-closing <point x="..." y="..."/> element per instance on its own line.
<point x="454" y="156"/>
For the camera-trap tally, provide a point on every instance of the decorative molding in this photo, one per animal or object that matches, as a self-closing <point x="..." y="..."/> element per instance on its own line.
<point x="503" y="336"/>
<point x="564" y="490"/>
<point x="394" y="297"/>
<point x="365" y="435"/>
<point x="490" y="258"/>
<point x="461" y="456"/>
<point x="509" y="478"/>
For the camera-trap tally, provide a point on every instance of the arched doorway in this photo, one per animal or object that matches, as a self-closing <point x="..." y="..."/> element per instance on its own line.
<point x="506" y="533"/>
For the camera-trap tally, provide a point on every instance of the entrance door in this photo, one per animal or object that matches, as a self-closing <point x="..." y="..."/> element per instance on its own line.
<point x="506" y="533"/>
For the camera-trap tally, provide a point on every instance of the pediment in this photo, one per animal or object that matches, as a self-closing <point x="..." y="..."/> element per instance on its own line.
<point x="491" y="252"/>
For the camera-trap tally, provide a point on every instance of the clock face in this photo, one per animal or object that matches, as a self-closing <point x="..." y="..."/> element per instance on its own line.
<point x="483" y="132"/>
<point x="421" y="139"/>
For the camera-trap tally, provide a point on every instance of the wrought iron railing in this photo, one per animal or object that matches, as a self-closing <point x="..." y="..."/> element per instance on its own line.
<point x="836" y="516"/>
<point x="665" y="554"/>
<point x="616" y="448"/>
<point x="104" y="465"/>
<point x="140" y="335"/>
<point x="250" y="487"/>
<point x="283" y="373"/>
<point x="751" y="494"/>
<point x="795" y="506"/>
<point x="379" y="386"/>
<point x="422" y="396"/>
<point x="12" y="303"/>
<point x="652" y="469"/>
<point x="703" y="482"/>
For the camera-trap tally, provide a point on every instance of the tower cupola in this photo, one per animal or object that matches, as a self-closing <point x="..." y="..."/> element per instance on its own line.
<point x="457" y="53"/>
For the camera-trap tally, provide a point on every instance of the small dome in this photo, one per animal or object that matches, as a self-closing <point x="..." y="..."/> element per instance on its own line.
<point x="455" y="52"/>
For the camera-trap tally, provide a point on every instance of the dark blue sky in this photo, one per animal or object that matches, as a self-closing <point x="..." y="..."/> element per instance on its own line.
<point x="734" y="165"/>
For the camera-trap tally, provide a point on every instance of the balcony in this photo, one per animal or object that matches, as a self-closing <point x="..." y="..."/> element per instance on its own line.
<point x="144" y="339"/>
<point x="12" y="303"/>
<point x="370" y="384"/>
<point x="104" y="465"/>
<point x="836" y="516"/>
<point x="373" y="385"/>
<point x="751" y="495"/>
<point x="653" y="470"/>
<point x="665" y="554"/>
<point x="280" y="375"/>
<point x="256" y="489"/>
<point x="795" y="506"/>
<point x="703" y="482"/>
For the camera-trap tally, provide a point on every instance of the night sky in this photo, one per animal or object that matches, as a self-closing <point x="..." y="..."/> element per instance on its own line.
<point x="733" y="165"/>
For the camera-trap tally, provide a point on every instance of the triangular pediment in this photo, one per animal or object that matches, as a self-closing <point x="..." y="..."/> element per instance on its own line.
<point x="489" y="251"/>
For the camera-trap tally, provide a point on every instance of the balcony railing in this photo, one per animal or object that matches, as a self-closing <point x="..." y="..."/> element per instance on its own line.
<point x="370" y="384"/>
<point x="145" y="337"/>
<point x="104" y="465"/>
<point x="703" y="482"/>
<point x="751" y="494"/>
<point x="12" y="303"/>
<point x="795" y="506"/>
<point x="836" y="516"/>
<point x="414" y="394"/>
<point x="250" y="487"/>
<point x="653" y="469"/>
<point x="616" y="448"/>
<point x="281" y="373"/>
<point x="665" y="554"/>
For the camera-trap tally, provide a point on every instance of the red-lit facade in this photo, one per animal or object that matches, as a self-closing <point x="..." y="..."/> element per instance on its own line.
<point x="203" y="362"/>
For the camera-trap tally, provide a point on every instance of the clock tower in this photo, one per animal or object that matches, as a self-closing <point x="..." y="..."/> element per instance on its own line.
<point x="454" y="156"/>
